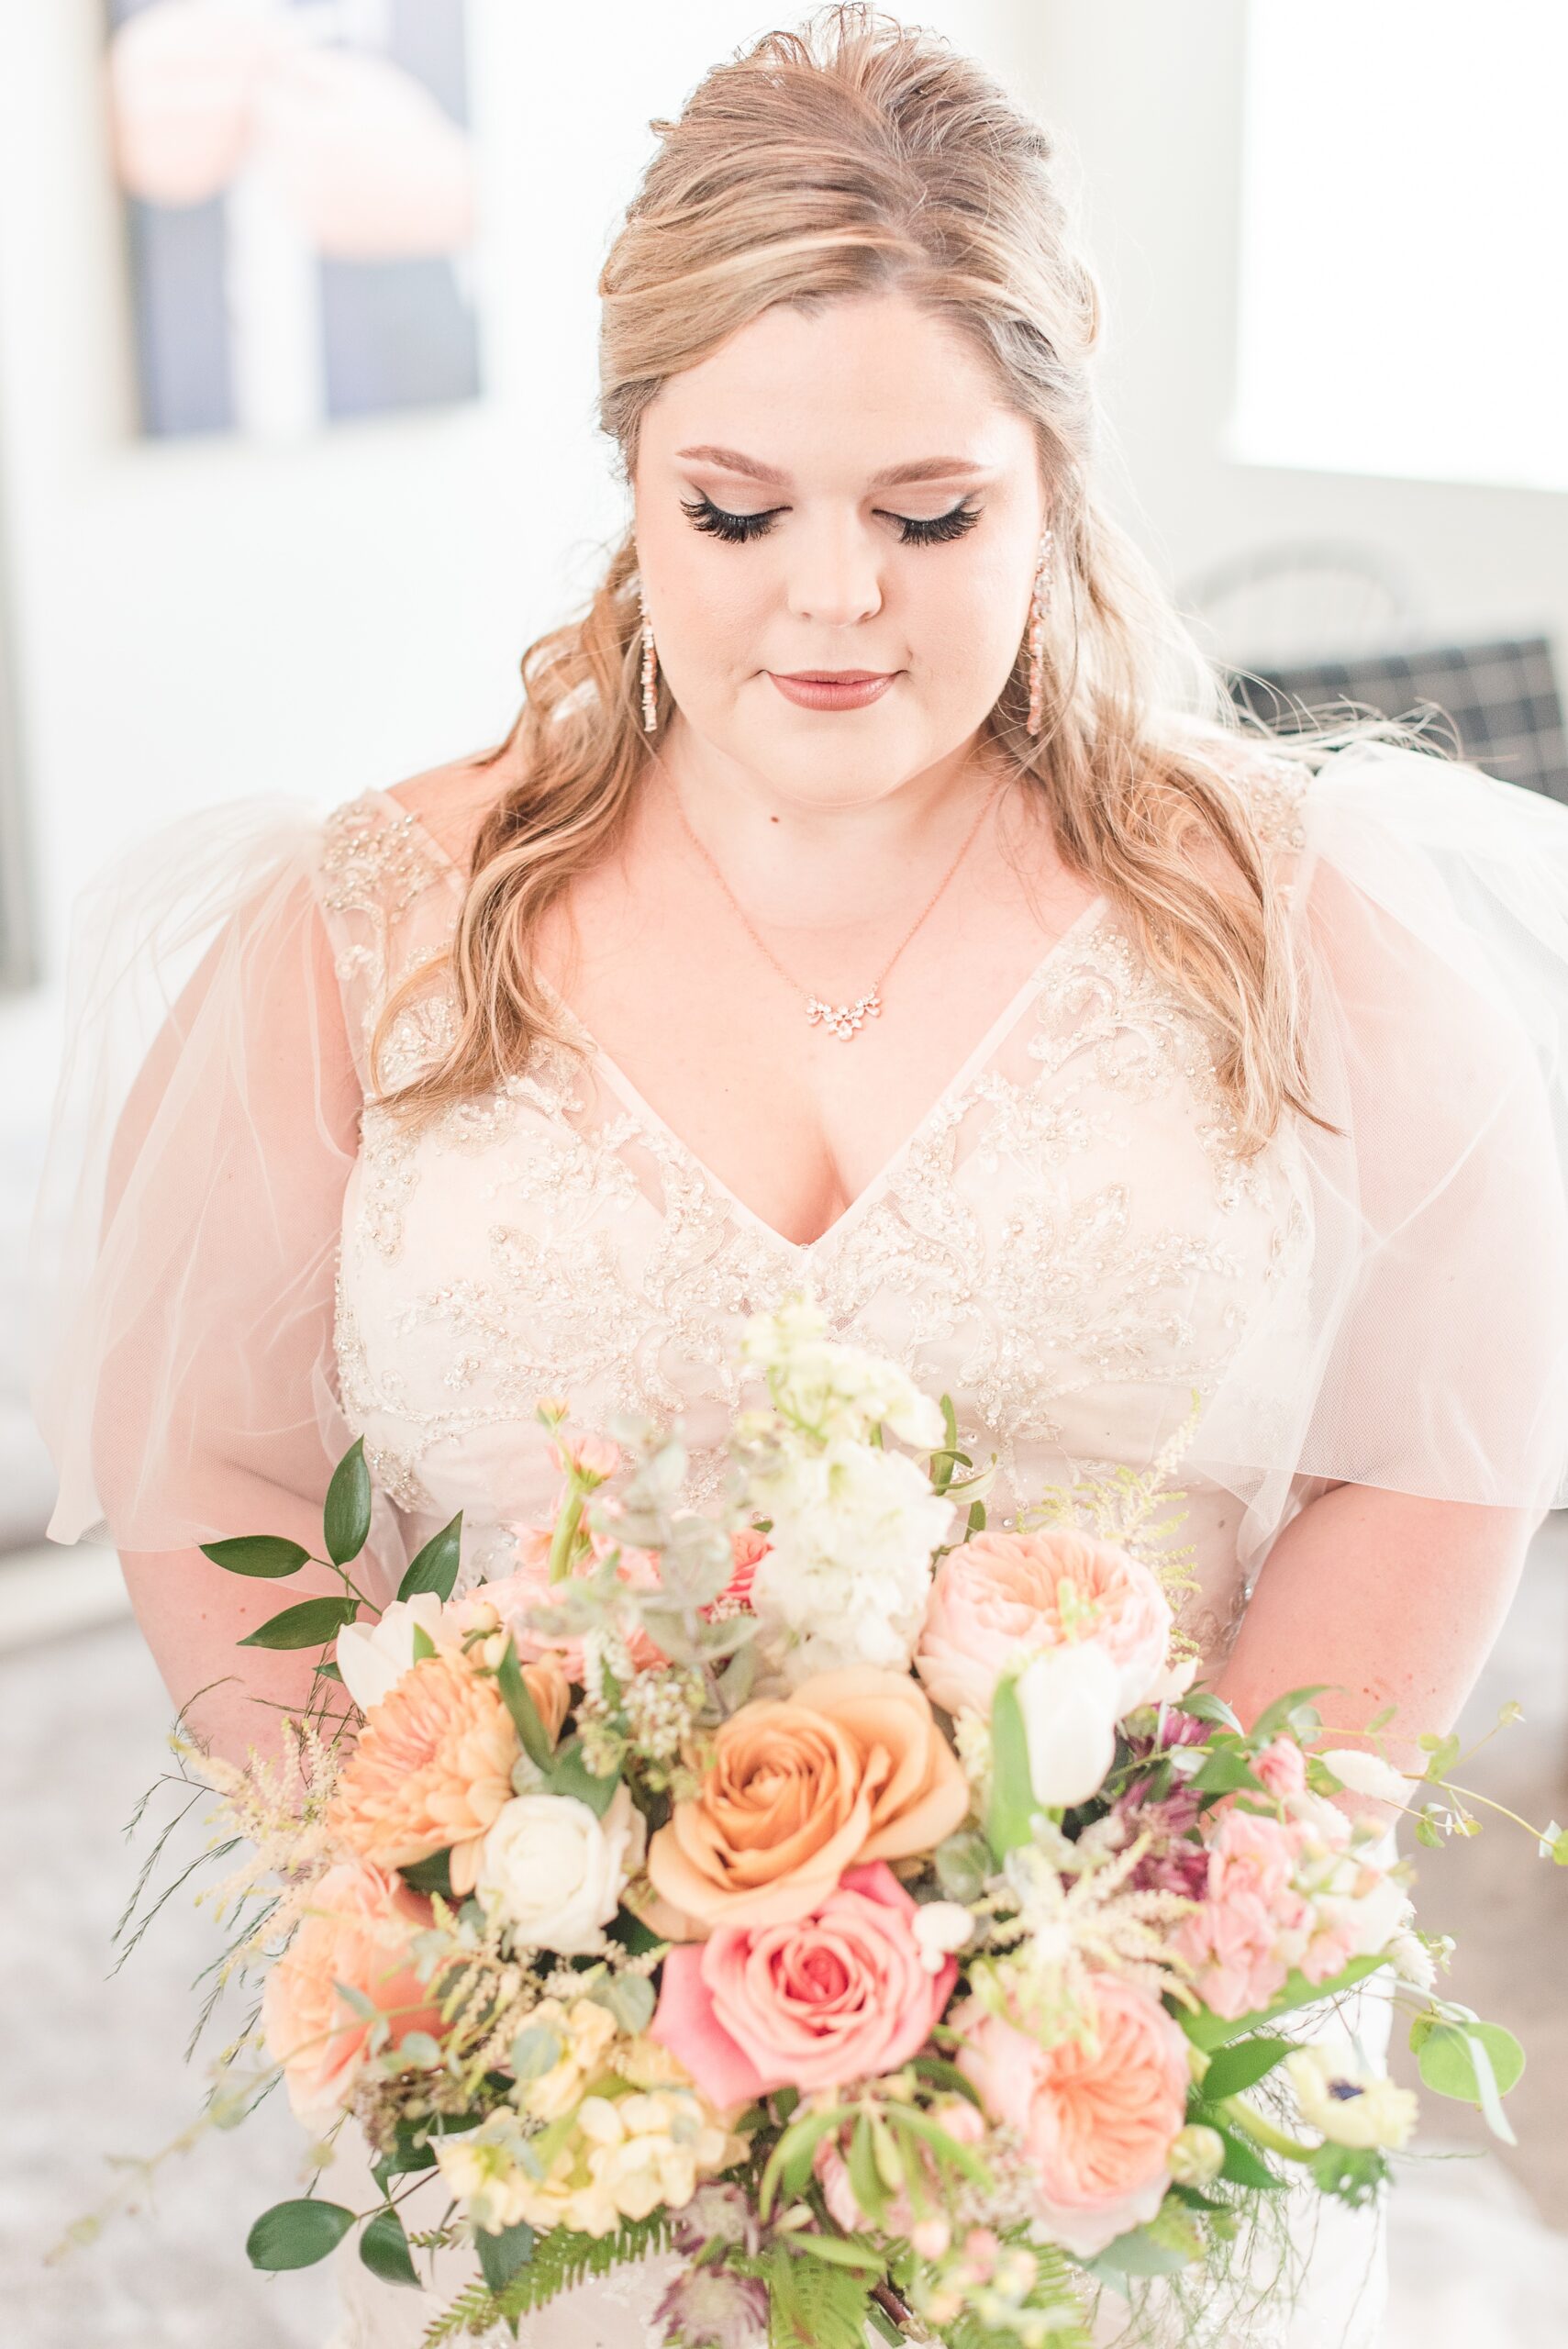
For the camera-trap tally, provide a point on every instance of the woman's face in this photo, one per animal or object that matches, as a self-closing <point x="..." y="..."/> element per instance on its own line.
<point x="836" y="492"/>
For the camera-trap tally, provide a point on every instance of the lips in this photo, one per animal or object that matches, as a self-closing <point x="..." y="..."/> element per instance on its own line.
<point x="833" y="688"/>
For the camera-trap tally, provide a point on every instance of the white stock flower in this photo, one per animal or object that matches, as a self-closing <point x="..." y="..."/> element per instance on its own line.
<point x="848" y="1568"/>
<point x="1067" y="1697"/>
<point x="555" y="1873"/>
<point x="832" y="1390"/>
<point x="374" y="1657"/>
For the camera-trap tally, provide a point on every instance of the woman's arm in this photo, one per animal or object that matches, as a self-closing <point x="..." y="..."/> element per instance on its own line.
<point x="1397" y="1598"/>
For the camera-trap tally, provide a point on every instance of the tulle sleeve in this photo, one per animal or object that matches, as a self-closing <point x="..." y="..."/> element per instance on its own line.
<point x="186" y="1235"/>
<point x="1420" y="1344"/>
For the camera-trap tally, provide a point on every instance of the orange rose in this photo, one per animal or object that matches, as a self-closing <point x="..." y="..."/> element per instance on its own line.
<point x="851" y="1769"/>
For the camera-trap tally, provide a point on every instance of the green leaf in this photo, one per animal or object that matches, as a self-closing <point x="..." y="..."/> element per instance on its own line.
<point x="865" y="2181"/>
<point x="943" y="1462"/>
<point x="975" y="1521"/>
<point x="1205" y="1706"/>
<point x="531" y="1734"/>
<point x="1443" y="1755"/>
<point x="346" y="1520"/>
<point x="435" y="1568"/>
<point x="1447" y="2058"/>
<point x="1241" y="2064"/>
<point x="570" y="1774"/>
<point x="328" y="1670"/>
<point x="1276" y="1717"/>
<point x="943" y="2075"/>
<point x="1241" y="2166"/>
<point x="1223" y="1773"/>
<point x="1209" y="2031"/>
<point x="1558" y="1849"/>
<point x="296" y="2234"/>
<point x="789" y="2164"/>
<point x="633" y="1935"/>
<point x="502" y="2253"/>
<point x="384" y="2248"/>
<point x="946" y="2149"/>
<point x="434" y="1875"/>
<point x="265" y="1554"/>
<point x="1352" y="2172"/>
<point x="309" y="1625"/>
<point x="840" y="2250"/>
<point x="1137" y="2253"/>
<point x="422" y="1644"/>
<point x="1009" y="1819"/>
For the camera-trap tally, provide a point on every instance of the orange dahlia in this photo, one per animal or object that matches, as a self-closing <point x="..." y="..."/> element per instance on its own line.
<point x="433" y="1764"/>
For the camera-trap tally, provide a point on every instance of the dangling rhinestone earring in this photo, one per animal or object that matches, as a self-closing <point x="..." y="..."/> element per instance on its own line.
<point x="1038" y="604"/>
<point x="649" y="666"/>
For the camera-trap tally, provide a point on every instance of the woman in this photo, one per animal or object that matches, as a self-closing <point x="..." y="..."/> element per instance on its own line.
<point x="875" y="896"/>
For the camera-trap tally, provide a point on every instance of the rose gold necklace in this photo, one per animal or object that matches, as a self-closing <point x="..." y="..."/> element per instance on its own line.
<point x="841" y="1019"/>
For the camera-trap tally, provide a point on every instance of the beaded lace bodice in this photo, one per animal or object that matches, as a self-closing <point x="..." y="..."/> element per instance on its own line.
<point x="1067" y="1244"/>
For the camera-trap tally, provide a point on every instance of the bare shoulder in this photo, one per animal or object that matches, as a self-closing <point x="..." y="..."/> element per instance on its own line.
<point x="451" y="801"/>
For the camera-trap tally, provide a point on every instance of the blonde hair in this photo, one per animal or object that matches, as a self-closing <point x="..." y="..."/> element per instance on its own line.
<point x="858" y="156"/>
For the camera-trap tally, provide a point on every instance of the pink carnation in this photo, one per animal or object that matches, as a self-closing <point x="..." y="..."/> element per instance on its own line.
<point x="1281" y="1766"/>
<point x="835" y="1996"/>
<point x="1002" y="1596"/>
<point x="1243" y="1940"/>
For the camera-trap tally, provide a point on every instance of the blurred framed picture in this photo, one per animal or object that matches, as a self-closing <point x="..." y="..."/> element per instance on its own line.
<point x="299" y="189"/>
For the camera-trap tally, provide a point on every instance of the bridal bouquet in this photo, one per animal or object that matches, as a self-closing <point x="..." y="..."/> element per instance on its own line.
<point x="858" y="1901"/>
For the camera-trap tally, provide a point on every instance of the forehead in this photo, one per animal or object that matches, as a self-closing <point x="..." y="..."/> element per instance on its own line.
<point x="849" y="387"/>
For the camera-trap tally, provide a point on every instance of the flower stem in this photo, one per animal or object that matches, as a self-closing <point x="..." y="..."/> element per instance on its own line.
<point x="1263" y="2133"/>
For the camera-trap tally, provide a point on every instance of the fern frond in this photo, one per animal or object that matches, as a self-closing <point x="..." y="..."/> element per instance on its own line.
<point x="561" y="2259"/>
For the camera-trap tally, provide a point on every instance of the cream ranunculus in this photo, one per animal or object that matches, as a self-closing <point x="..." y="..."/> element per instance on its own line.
<point x="372" y="1657"/>
<point x="555" y="1873"/>
<point x="1069" y="1700"/>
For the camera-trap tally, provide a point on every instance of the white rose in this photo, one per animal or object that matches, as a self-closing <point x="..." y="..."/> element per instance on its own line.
<point x="1067" y="1696"/>
<point x="555" y="1873"/>
<point x="849" y="1563"/>
<point x="372" y="1657"/>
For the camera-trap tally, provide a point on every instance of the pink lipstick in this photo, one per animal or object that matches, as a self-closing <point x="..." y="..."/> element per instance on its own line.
<point x="833" y="688"/>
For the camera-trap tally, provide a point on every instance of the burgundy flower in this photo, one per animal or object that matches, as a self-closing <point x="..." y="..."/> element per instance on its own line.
<point x="707" y="2308"/>
<point x="1174" y="1861"/>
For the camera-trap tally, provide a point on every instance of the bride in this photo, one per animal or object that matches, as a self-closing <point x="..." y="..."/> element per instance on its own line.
<point x="876" y="897"/>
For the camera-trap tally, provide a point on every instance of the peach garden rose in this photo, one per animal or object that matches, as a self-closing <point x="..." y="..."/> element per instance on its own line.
<point x="1002" y="1596"/>
<point x="1097" y="2122"/>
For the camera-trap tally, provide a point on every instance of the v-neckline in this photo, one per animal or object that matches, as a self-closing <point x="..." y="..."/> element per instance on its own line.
<point x="633" y="1099"/>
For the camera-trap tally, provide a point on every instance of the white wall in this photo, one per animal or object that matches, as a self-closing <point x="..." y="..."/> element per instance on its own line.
<point x="196" y="621"/>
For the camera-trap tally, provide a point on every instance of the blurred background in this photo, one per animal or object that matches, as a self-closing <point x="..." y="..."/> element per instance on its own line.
<point x="297" y="321"/>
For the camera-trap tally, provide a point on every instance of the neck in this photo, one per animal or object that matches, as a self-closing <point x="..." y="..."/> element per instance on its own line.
<point x="808" y="864"/>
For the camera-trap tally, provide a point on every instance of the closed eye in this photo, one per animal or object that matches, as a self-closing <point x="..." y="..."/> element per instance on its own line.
<point x="736" y="529"/>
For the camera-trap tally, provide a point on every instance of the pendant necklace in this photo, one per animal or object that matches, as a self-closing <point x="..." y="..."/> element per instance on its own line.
<point x="843" y="1020"/>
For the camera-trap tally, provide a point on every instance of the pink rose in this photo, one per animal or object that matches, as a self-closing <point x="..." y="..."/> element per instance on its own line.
<point x="1282" y="1766"/>
<point x="1096" y="2121"/>
<point x="999" y="1598"/>
<point x="356" y="1933"/>
<point x="835" y="1996"/>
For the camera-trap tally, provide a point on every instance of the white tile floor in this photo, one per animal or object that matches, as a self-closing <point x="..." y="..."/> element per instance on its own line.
<point x="92" y="2064"/>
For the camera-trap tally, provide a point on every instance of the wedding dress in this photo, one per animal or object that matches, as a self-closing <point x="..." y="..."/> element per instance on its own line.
<point x="1071" y="1244"/>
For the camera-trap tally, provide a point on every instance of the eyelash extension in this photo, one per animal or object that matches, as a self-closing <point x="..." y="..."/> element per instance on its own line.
<point x="736" y="529"/>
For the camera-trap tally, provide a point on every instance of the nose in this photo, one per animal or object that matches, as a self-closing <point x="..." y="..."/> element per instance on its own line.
<point x="835" y="572"/>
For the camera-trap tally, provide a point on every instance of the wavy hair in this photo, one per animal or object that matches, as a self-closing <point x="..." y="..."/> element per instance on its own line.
<point x="859" y="156"/>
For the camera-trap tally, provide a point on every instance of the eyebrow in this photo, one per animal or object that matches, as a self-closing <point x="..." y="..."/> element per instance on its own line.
<point x="732" y="460"/>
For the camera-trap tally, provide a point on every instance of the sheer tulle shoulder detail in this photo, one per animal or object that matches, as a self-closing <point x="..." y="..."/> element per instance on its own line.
<point x="222" y="982"/>
<point x="390" y="896"/>
<point x="1429" y="1352"/>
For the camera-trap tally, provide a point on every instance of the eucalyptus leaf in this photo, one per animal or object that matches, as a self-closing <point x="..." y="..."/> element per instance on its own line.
<point x="309" y="1625"/>
<point x="1137" y="2253"/>
<point x="435" y="1567"/>
<point x="346" y="1519"/>
<point x="267" y="1556"/>
<point x="535" y="2051"/>
<point x="1475" y="2063"/>
<point x="297" y="2234"/>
